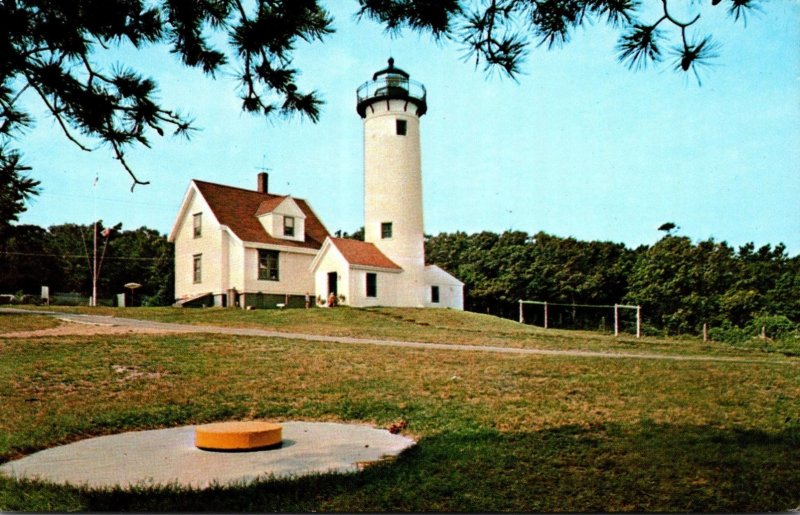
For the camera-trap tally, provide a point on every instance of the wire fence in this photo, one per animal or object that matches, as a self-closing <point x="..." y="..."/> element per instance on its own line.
<point x="616" y="318"/>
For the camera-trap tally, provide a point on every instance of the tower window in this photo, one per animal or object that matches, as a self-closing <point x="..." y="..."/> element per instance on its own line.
<point x="372" y="285"/>
<point x="288" y="226"/>
<point x="268" y="265"/>
<point x="402" y="127"/>
<point x="197" y="222"/>
<point x="434" y="294"/>
<point x="386" y="230"/>
<point x="197" y="268"/>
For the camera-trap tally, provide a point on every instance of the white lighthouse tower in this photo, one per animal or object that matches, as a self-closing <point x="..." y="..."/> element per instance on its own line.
<point x="391" y="105"/>
<point x="388" y="267"/>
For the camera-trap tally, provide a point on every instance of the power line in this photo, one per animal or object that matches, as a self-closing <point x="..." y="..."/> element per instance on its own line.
<point x="106" y="199"/>
<point x="76" y="256"/>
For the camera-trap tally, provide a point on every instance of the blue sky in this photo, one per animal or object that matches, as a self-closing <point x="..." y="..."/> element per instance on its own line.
<point x="578" y="146"/>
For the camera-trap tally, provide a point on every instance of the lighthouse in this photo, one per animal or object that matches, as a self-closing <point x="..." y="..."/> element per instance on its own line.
<point x="388" y="268"/>
<point x="391" y="105"/>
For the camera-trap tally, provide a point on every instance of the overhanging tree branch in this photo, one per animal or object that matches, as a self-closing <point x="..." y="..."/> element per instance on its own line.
<point x="53" y="47"/>
<point x="56" y="112"/>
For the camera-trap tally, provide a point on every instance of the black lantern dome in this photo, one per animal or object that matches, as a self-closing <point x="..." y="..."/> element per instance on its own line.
<point x="391" y="84"/>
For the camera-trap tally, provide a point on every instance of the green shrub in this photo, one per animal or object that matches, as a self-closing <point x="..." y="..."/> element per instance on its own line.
<point x="782" y="335"/>
<point x="776" y="327"/>
<point x="728" y="333"/>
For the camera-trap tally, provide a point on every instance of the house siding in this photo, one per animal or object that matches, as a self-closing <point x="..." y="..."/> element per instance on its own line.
<point x="332" y="261"/>
<point x="294" y="277"/>
<point x="451" y="290"/>
<point x="388" y="285"/>
<point x="209" y="245"/>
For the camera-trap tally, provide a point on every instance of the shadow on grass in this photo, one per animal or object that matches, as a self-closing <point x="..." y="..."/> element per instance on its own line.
<point x="649" y="467"/>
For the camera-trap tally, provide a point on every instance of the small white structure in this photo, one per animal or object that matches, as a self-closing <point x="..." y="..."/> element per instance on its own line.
<point x="254" y="243"/>
<point x="357" y="273"/>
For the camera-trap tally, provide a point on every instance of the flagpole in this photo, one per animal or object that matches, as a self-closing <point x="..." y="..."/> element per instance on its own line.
<point x="94" y="268"/>
<point x="94" y="260"/>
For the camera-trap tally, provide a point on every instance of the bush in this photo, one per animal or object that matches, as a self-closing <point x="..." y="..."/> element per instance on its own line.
<point x="782" y="335"/>
<point x="728" y="333"/>
<point x="776" y="327"/>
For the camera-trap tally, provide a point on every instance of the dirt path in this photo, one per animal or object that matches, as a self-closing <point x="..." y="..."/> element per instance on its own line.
<point x="79" y="325"/>
<point x="90" y="325"/>
<point x="71" y="328"/>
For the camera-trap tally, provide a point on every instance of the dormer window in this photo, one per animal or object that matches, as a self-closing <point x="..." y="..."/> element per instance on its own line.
<point x="282" y="218"/>
<point x="197" y="224"/>
<point x="288" y="226"/>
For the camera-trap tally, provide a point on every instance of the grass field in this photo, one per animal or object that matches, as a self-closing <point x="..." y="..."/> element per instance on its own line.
<point x="12" y="323"/>
<point x="436" y="326"/>
<point x="496" y="432"/>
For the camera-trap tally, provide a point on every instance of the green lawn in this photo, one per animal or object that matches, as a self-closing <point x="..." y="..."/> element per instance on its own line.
<point x="437" y="326"/>
<point x="11" y="323"/>
<point x="496" y="432"/>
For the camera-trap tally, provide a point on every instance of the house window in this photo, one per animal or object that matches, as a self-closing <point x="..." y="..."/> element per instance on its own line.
<point x="288" y="226"/>
<point x="434" y="294"/>
<point x="268" y="265"/>
<point x="197" y="268"/>
<point x="386" y="230"/>
<point x="401" y="126"/>
<point x="197" y="223"/>
<point x="372" y="285"/>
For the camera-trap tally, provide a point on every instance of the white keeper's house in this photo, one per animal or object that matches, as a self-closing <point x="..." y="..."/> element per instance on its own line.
<point x="237" y="247"/>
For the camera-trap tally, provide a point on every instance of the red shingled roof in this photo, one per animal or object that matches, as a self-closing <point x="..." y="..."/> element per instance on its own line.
<point x="268" y="206"/>
<point x="237" y="208"/>
<point x="365" y="254"/>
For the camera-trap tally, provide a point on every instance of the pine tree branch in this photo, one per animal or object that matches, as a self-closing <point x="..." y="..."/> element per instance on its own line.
<point x="120" y="156"/>
<point x="56" y="113"/>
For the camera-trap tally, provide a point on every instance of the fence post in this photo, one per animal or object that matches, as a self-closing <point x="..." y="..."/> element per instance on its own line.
<point x="638" y="321"/>
<point x="545" y="314"/>
<point x="705" y="332"/>
<point x="616" y="319"/>
<point x="521" y="319"/>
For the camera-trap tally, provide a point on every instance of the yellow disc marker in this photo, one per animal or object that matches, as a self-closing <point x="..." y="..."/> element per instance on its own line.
<point x="238" y="436"/>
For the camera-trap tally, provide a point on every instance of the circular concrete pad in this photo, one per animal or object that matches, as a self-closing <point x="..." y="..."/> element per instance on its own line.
<point x="237" y="436"/>
<point x="169" y="456"/>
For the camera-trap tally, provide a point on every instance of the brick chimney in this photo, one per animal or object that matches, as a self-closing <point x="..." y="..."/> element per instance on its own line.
<point x="263" y="182"/>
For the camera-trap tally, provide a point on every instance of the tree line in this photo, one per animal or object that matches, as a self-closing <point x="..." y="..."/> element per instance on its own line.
<point x="680" y="285"/>
<point x="61" y="257"/>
